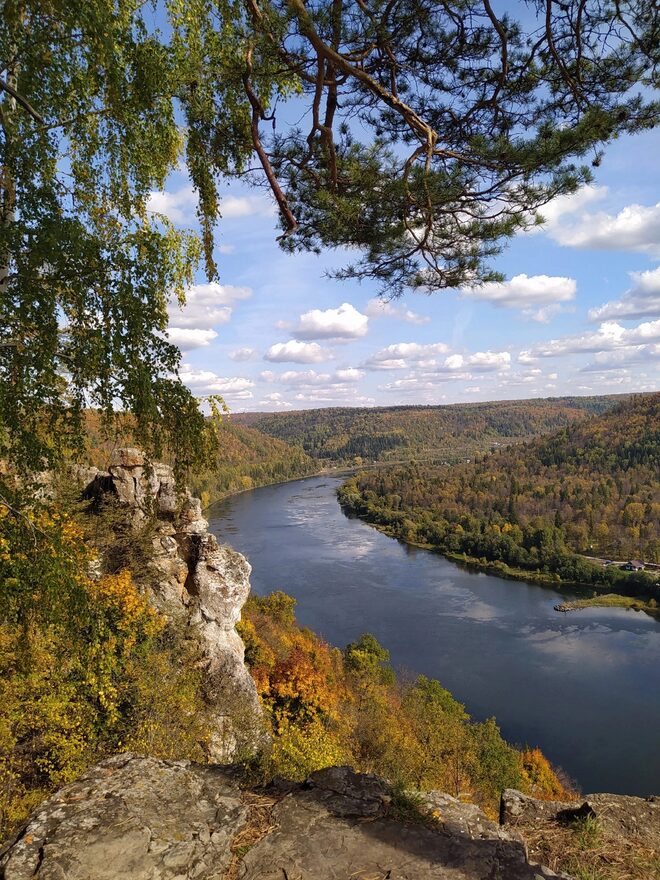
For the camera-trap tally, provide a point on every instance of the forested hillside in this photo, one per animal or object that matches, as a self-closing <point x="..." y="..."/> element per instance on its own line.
<point x="325" y="706"/>
<point x="244" y="457"/>
<point x="446" y="433"/>
<point x="590" y="488"/>
<point x="247" y="458"/>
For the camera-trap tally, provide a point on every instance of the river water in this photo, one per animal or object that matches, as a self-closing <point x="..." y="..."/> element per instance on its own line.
<point x="584" y="686"/>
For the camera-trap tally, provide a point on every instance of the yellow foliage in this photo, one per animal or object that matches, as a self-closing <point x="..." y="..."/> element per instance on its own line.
<point x="87" y="667"/>
<point x="326" y="708"/>
<point x="541" y="778"/>
<point x="300" y="749"/>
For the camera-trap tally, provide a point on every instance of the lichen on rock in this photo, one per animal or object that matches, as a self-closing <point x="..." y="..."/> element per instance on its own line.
<point x="145" y="819"/>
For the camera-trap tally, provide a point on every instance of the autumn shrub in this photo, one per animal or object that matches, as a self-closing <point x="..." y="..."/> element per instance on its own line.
<point x="327" y="707"/>
<point x="87" y="666"/>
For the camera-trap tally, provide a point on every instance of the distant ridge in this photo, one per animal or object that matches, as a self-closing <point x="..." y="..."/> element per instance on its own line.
<point x="347" y="435"/>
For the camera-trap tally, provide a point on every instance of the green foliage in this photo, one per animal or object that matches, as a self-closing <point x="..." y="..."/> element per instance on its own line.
<point x="247" y="458"/>
<point x="366" y="657"/>
<point x="85" y="272"/>
<point x="590" y="488"/>
<point x="327" y="707"/>
<point x="440" y="433"/>
<point x="87" y="667"/>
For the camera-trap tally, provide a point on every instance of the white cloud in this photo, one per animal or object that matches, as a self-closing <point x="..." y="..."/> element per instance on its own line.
<point x="414" y="384"/>
<point x="274" y="399"/>
<point x="203" y="382"/>
<point x="350" y="374"/>
<point x="400" y="354"/>
<point x="623" y="357"/>
<point x="610" y="336"/>
<point x="297" y="352"/>
<point x="207" y="305"/>
<point x="342" y="323"/>
<point x="554" y="212"/>
<point x="381" y="308"/>
<point x="568" y="222"/>
<point x="303" y="377"/>
<point x="486" y="361"/>
<point x="243" y="354"/>
<point x="179" y="206"/>
<point x="187" y="339"/>
<point x="333" y="396"/>
<point x="309" y="378"/>
<point x="537" y="296"/>
<point x="635" y="228"/>
<point x="479" y="362"/>
<point x="247" y="206"/>
<point x="641" y="301"/>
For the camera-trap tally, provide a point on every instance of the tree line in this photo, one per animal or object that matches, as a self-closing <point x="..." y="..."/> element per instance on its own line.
<point x="591" y="488"/>
<point x="454" y="431"/>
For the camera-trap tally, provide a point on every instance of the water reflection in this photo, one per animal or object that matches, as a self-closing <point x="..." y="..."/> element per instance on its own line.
<point x="579" y="685"/>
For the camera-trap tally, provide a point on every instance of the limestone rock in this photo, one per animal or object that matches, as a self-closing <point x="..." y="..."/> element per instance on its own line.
<point x="459" y="817"/>
<point x="196" y="582"/>
<point x="134" y="818"/>
<point x="621" y="816"/>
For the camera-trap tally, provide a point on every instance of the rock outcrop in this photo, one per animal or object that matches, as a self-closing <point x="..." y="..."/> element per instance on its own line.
<point x="621" y="817"/>
<point x="193" y="580"/>
<point x="144" y="819"/>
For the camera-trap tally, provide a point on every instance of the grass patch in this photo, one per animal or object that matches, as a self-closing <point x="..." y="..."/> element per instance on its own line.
<point x="613" y="600"/>
<point x="586" y="851"/>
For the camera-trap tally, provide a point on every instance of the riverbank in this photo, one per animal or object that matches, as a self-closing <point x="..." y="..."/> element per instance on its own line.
<point x="603" y="596"/>
<point x="612" y="600"/>
<point x="499" y="647"/>
<point x="326" y="472"/>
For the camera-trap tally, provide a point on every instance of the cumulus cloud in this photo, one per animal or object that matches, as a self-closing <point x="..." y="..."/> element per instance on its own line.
<point x="635" y="228"/>
<point x="297" y="352"/>
<point x="642" y="300"/>
<point x="274" y="399"/>
<point x="342" y="323"/>
<point x="309" y="378"/>
<point x="333" y="396"/>
<point x="479" y="362"/>
<point x="180" y="206"/>
<point x="187" y="339"/>
<point x="202" y="382"/>
<point x="206" y="306"/>
<point x="537" y="296"/>
<point x="487" y="361"/>
<point x="400" y="355"/>
<point x="623" y="357"/>
<point x="608" y="337"/>
<point x="381" y="308"/>
<point x="350" y="374"/>
<point x="569" y="222"/>
<point x="555" y="211"/>
<point x="246" y="206"/>
<point x="243" y="354"/>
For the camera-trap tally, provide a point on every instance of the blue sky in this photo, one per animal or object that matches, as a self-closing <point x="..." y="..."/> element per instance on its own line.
<point x="578" y="314"/>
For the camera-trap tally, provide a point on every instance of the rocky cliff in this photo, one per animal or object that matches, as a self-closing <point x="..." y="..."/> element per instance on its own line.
<point x="143" y="819"/>
<point x="136" y="818"/>
<point x="193" y="580"/>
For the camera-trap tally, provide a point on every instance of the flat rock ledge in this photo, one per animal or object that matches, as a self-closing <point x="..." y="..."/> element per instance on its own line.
<point x="622" y="817"/>
<point x="145" y="819"/>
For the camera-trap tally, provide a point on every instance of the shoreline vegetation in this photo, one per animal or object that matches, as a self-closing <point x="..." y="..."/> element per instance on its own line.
<point x="531" y="512"/>
<point x="541" y="578"/>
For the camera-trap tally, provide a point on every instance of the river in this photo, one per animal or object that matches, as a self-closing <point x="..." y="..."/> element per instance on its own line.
<point x="584" y="686"/>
